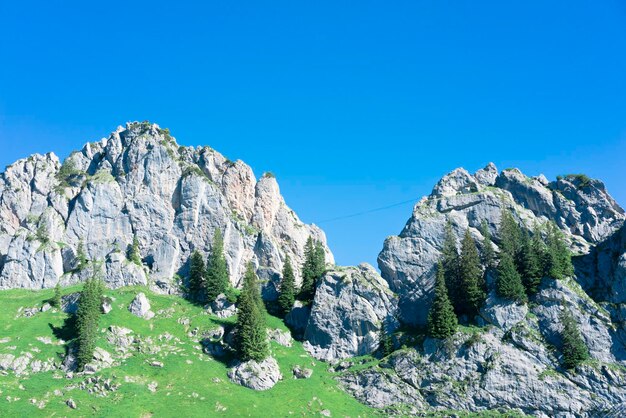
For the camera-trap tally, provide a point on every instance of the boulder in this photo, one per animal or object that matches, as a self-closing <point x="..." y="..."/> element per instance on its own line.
<point x="256" y="375"/>
<point x="301" y="373"/>
<point x="222" y="307"/>
<point x="280" y="337"/>
<point x="140" y="306"/>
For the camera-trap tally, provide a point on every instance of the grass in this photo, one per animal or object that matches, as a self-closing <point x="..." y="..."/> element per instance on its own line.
<point x="201" y="388"/>
<point x="190" y="383"/>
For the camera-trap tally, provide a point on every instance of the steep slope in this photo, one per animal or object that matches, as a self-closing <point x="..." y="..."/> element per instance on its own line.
<point x="59" y="222"/>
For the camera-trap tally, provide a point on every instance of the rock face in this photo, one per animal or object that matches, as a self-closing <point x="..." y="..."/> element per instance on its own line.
<point x="257" y="376"/>
<point x="581" y="207"/>
<point x="349" y="308"/>
<point x="60" y="222"/>
<point x="513" y="361"/>
<point x="508" y="365"/>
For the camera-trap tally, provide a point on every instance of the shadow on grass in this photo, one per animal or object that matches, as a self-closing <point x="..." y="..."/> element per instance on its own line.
<point x="221" y="347"/>
<point x="67" y="331"/>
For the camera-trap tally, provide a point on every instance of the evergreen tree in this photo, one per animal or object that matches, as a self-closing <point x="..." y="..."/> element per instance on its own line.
<point x="442" y="321"/>
<point x="510" y="235"/>
<point x="134" y="255"/>
<point x="385" y="342"/>
<point x="450" y="265"/>
<point x="312" y="269"/>
<point x="251" y="333"/>
<point x="217" y="280"/>
<point x="539" y="249"/>
<point x="573" y="346"/>
<point x="488" y="253"/>
<point x="320" y="260"/>
<point x="559" y="263"/>
<point x="287" y="294"/>
<point x="530" y="265"/>
<point x="509" y="283"/>
<point x="87" y="317"/>
<point x="471" y="277"/>
<point x="81" y="257"/>
<point x="56" y="299"/>
<point x="197" y="284"/>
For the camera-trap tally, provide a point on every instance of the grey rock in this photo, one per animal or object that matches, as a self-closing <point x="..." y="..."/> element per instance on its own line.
<point x="502" y="313"/>
<point x="280" y="337"/>
<point x="139" y="183"/>
<point x="586" y="214"/>
<point x="69" y="303"/>
<point x="140" y="306"/>
<point x="221" y="307"/>
<point x="298" y="318"/>
<point x="256" y="375"/>
<point x="301" y="373"/>
<point x="349" y="307"/>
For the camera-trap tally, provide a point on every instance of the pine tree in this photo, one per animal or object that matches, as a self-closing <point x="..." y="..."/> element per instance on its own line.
<point x="573" y="348"/>
<point x="510" y="235"/>
<point x="197" y="283"/>
<point x="56" y="299"/>
<point x="530" y="266"/>
<point x="320" y="260"/>
<point x="450" y="265"/>
<point x="488" y="253"/>
<point x="81" y="257"/>
<point x="287" y="294"/>
<point x="509" y="283"/>
<point x="87" y="317"/>
<point x="385" y="342"/>
<point x="312" y="269"/>
<point x="559" y="257"/>
<point x="134" y="255"/>
<point x="251" y="333"/>
<point x="442" y="321"/>
<point x="308" y="272"/>
<point x="539" y="249"/>
<point x="471" y="277"/>
<point x="217" y="280"/>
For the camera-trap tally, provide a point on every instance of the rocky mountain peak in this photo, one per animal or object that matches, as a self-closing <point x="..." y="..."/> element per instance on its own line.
<point x="139" y="183"/>
<point x="581" y="207"/>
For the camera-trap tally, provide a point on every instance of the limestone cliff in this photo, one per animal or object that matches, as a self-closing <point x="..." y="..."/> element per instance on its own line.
<point x="59" y="222"/>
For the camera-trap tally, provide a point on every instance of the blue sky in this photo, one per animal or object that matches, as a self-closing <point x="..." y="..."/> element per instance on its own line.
<point x="353" y="105"/>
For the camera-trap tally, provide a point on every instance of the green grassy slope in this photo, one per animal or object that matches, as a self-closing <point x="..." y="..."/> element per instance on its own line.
<point x="190" y="383"/>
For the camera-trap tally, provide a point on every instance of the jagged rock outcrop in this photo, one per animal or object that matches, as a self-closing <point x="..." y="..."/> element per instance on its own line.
<point x="65" y="222"/>
<point x="513" y="361"/>
<point x="511" y="367"/>
<point x="581" y="207"/>
<point x="350" y="306"/>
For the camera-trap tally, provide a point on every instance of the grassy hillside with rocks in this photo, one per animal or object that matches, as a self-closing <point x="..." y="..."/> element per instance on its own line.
<point x="159" y="369"/>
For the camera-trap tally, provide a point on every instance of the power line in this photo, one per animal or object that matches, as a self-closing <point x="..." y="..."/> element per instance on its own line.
<point x="366" y="211"/>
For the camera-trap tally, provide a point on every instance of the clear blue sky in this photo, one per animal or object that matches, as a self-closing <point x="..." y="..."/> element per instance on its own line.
<point x="353" y="105"/>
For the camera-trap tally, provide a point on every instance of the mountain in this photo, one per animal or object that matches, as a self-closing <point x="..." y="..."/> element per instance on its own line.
<point x="140" y="184"/>
<point x="364" y="331"/>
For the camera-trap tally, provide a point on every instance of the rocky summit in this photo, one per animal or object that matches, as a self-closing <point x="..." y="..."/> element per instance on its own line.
<point x="60" y="221"/>
<point x="131" y="210"/>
